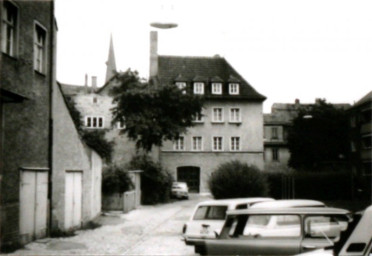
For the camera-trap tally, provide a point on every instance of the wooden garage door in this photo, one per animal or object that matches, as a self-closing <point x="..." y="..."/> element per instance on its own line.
<point x="73" y="199"/>
<point x="190" y="175"/>
<point x="33" y="204"/>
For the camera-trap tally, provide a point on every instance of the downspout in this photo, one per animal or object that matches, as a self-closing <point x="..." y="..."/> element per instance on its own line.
<point x="52" y="77"/>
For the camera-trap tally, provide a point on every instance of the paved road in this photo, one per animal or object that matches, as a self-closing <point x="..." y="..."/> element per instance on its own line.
<point x="149" y="230"/>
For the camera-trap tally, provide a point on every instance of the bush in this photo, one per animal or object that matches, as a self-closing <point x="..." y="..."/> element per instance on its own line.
<point x="97" y="141"/>
<point x="115" y="180"/>
<point x="235" y="179"/>
<point x="156" y="181"/>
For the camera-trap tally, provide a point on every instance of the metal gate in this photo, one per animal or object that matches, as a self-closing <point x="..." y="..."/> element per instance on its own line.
<point x="73" y="199"/>
<point x="190" y="175"/>
<point x="33" y="204"/>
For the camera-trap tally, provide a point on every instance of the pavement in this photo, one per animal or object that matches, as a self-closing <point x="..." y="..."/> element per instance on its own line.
<point x="148" y="230"/>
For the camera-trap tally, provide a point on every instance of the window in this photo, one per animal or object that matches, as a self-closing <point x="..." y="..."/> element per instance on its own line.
<point x="94" y="122"/>
<point x="181" y="86"/>
<point x="275" y="152"/>
<point x="94" y="99"/>
<point x="352" y="146"/>
<point x="198" y="118"/>
<point x="235" y="115"/>
<point x="179" y="144"/>
<point x="367" y="141"/>
<point x="197" y="143"/>
<point x="234" y="88"/>
<point x="39" y="48"/>
<point x="9" y="22"/>
<point x="321" y="226"/>
<point x="217" y="144"/>
<point x="205" y="212"/>
<point x="353" y="121"/>
<point x="235" y="144"/>
<point x="216" y="88"/>
<point x="217" y="115"/>
<point x="198" y="88"/>
<point x="120" y="125"/>
<point x="274" y="133"/>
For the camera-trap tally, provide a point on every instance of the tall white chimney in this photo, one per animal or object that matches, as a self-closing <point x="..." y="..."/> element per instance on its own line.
<point x="153" y="53"/>
<point x="94" y="83"/>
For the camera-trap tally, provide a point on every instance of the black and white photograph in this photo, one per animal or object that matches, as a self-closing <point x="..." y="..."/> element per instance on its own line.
<point x="186" y="127"/>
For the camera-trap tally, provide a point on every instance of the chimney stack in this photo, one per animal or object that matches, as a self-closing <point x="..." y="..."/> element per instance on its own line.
<point x="297" y="101"/>
<point x="86" y="83"/>
<point x="153" y="53"/>
<point x="94" y="83"/>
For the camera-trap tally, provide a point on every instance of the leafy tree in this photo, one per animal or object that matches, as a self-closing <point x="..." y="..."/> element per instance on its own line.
<point x="235" y="179"/>
<point x="319" y="134"/>
<point x="152" y="113"/>
<point x="97" y="141"/>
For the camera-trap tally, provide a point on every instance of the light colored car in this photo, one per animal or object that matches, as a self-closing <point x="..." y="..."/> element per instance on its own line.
<point x="180" y="190"/>
<point x="290" y="203"/>
<point x="209" y="216"/>
<point x="277" y="231"/>
<point x="355" y="241"/>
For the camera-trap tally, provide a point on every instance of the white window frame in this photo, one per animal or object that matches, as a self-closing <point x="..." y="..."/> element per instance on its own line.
<point x="233" y="145"/>
<point x="215" y="118"/>
<point x="179" y="144"/>
<point x="198" y="88"/>
<point x="219" y="144"/>
<point x="193" y="148"/>
<point x="181" y="86"/>
<point x="275" y="154"/>
<point x="199" y="118"/>
<point x="120" y="125"/>
<point x="40" y="48"/>
<point x="9" y="40"/>
<point x="233" y="118"/>
<point x="217" y="88"/>
<point x="97" y="119"/>
<point x="234" y="88"/>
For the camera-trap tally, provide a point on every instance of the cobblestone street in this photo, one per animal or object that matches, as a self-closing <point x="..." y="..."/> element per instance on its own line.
<point x="149" y="230"/>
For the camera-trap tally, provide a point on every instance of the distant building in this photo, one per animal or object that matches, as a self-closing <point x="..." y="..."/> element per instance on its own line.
<point x="361" y="143"/>
<point x="230" y="127"/>
<point x="276" y="129"/>
<point x="49" y="179"/>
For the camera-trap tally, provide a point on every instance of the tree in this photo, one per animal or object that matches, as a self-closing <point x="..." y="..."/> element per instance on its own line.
<point x="152" y="113"/>
<point x="319" y="134"/>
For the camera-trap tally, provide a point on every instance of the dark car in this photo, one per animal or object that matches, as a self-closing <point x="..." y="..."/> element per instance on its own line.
<point x="277" y="231"/>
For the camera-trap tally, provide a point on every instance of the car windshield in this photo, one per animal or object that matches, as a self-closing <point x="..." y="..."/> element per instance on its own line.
<point x="215" y="212"/>
<point x="329" y="227"/>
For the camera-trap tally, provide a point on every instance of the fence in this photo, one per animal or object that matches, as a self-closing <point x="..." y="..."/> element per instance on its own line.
<point x="125" y="202"/>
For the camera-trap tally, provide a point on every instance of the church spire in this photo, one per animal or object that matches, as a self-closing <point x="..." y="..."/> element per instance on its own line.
<point x="110" y="63"/>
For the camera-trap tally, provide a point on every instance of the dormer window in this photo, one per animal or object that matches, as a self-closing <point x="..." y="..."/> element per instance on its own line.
<point x="198" y="88"/>
<point x="234" y="88"/>
<point x="181" y="86"/>
<point x="216" y="88"/>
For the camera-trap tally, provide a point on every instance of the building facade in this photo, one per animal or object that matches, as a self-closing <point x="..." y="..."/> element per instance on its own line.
<point x="32" y="145"/>
<point x="361" y="144"/>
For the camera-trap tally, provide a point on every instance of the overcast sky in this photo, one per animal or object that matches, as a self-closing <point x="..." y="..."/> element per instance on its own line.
<point x="286" y="49"/>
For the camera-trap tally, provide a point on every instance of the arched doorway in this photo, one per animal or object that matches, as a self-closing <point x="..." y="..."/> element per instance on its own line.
<point x="190" y="175"/>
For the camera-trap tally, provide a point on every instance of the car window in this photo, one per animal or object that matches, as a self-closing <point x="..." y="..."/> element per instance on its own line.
<point x="325" y="227"/>
<point x="241" y="206"/>
<point x="272" y="226"/>
<point x="215" y="212"/>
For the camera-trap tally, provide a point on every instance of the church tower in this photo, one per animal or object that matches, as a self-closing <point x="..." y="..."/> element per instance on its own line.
<point x="110" y="63"/>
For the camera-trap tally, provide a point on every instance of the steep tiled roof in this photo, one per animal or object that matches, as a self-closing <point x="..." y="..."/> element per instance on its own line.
<point x="205" y="69"/>
<point x="365" y="99"/>
<point x="70" y="90"/>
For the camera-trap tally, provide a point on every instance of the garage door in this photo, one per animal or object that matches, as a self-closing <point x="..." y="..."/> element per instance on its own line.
<point x="73" y="199"/>
<point x="33" y="204"/>
<point x="190" y="175"/>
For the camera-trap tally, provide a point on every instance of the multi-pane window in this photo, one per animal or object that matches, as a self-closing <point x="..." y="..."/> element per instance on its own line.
<point x="9" y="22"/>
<point x="235" y="144"/>
<point x="179" y="144"/>
<point x="217" y="144"/>
<point x="275" y="153"/>
<point x="216" y="88"/>
<point x="181" y="86"/>
<point x="39" y="48"/>
<point x="234" y="88"/>
<point x="235" y="115"/>
<point x="198" y="118"/>
<point x="274" y="133"/>
<point x="197" y="143"/>
<point x="217" y="115"/>
<point x="198" y="88"/>
<point x="94" y="122"/>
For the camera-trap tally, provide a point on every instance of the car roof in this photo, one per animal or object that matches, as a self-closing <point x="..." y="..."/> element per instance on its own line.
<point x="179" y="183"/>
<point x="235" y="201"/>
<point x="293" y="210"/>
<point x="289" y="203"/>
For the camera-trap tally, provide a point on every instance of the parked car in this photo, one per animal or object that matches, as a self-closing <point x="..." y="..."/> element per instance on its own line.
<point x="180" y="190"/>
<point x="277" y="231"/>
<point x="355" y="241"/>
<point x="209" y="216"/>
